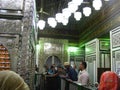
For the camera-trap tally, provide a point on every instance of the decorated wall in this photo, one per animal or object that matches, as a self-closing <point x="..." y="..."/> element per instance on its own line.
<point x="17" y="34"/>
<point x="52" y="47"/>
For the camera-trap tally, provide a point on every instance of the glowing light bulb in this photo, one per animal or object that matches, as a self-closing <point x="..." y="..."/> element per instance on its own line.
<point x="87" y="11"/>
<point x="77" y="15"/>
<point x="97" y="4"/>
<point x="52" y="22"/>
<point x="41" y="24"/>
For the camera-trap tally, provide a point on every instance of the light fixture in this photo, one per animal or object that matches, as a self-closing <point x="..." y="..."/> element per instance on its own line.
<point x="87" y="11"/>
<point x="77" y="2"/>
<point x="59" y="17"/>
<point x="97" y="4"/>
<point x="65" y="21"/>
<point x="72" y="7"/>
<point x="41" y="24"/>
<point x="72" y="49"/>
<point x="66" y="13"/>
<point x="77" y="16"/>
<point x="52" y="22"/>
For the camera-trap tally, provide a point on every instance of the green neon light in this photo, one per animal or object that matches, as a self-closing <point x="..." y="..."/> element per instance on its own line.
<point x="73" y="49"/>
<point x="107" y="44"/>
<point x="87" y="49"/>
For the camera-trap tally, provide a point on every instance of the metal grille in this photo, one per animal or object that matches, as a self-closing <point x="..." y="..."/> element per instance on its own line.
<point x="116" y="39"/>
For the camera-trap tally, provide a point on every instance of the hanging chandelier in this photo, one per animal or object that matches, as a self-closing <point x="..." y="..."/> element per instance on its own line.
<point x="77" y="2"/>
<point x="77" y="16"/>
<point x="52" y="22"/>
<point x="65" y="21"/>
<point x="97" y="4"/>
<point x="72" y="8"/>
<point x="87" y="11"/>
<point x="41" y="24"/>
<point x="59" y="17"/>
<point x="66" y="13"/>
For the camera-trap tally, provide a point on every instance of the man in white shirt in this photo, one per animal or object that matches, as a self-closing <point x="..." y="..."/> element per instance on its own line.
<point x="83" y="76"/>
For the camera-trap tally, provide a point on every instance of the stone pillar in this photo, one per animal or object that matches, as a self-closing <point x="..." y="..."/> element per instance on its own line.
<point x="27" y="49"/>
<point x="17" y="30"/>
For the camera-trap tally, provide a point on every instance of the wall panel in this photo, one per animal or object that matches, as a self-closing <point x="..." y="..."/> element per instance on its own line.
<point x="11" y="4"/>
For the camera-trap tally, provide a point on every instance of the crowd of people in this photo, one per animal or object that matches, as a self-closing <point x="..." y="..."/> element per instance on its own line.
<point x="109" y="80"/>
<point x="69" y="72"/>
<point x="10" y="80"/>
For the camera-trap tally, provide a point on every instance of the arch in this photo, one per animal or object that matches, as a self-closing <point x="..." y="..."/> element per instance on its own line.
<point x="4" y="44"/>
<point x="52" y="60"/>
<point x="4" y="58"/>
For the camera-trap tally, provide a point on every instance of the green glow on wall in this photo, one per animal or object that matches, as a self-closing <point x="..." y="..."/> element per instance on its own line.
<point x="38" y="46"/>
<point x="87" y="49"/>
<point x="107" y="44"/>
<point x="73" y="49"/>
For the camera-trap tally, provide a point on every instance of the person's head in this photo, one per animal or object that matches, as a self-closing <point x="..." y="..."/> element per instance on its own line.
<point x="83" y="65"/>
<point x="109" y="81"/>
<point x="10" y="80"/>
<point x="59" y="67"/>
<point x="52" y="67"/>
<point x="66" y="65"/>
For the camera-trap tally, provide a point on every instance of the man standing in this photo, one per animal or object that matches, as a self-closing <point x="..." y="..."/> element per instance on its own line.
<point x="72" y="74"/>
<point x="83" y="76"/>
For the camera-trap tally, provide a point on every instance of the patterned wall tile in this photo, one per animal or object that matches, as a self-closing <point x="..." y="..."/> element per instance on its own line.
<point x="116" y="39"/>
<point x="27" y="49"/>
<point x="61" y="53"/>
<point x="91" y="48"/>
<point x="11" y="26"/>
<point x="21" y="49"/>
<point x="11" y="4"/>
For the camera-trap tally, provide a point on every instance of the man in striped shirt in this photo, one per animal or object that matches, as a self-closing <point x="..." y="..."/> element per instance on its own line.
<point x="83" y="76"/>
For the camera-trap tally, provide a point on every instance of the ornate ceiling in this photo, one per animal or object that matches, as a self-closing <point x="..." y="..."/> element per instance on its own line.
<point x="78" y="31"/>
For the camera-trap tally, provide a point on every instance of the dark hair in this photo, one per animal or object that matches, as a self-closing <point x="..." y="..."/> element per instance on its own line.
<point x="84" y="64"/>
<point x="52" y="67"/>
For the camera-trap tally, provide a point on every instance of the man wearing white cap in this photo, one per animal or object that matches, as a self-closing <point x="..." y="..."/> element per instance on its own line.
<point x="72" y="74"/>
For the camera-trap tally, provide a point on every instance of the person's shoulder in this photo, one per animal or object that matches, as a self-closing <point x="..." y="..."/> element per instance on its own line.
<point x="85" y="73"/>
<point x="72" y="69"/>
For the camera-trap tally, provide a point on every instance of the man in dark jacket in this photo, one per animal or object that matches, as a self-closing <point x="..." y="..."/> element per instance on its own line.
<point x="72" y="74"/>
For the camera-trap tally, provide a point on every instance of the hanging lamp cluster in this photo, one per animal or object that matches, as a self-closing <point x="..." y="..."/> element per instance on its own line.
<point x="72" y="8"/>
